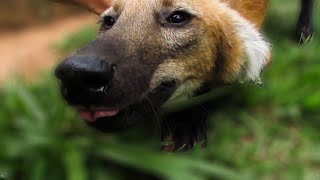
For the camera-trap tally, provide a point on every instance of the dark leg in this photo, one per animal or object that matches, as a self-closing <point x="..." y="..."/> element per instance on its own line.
<point x="305" y="22"/>
<point x="181" y="131"/>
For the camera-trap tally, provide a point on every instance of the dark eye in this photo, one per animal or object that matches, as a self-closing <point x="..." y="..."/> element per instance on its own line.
<point x="179" y="17"/>
<point x="108" y="21"/>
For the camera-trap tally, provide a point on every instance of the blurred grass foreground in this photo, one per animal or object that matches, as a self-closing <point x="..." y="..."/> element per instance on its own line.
<point x="267" y="132"/>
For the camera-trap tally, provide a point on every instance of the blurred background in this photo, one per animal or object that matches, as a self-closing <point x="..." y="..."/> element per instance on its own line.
<point x="255" y="132"/>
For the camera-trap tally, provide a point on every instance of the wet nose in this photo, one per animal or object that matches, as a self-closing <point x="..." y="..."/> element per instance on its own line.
<point x="86" y="72"/>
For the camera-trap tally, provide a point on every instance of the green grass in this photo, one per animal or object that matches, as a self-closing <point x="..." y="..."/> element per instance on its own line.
<point x="256" y="132"/>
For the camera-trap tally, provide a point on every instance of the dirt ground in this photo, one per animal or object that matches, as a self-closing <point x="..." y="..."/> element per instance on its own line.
<point x="28" y="51"/>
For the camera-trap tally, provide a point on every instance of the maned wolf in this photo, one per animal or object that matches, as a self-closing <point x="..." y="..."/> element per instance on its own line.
<point x="149" y="52"/>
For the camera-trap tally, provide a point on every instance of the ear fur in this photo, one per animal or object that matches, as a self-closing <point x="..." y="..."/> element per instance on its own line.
<point x="242" y="50"/>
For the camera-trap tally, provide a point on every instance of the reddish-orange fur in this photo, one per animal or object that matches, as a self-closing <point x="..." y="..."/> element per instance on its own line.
<point x="253" y="10"/>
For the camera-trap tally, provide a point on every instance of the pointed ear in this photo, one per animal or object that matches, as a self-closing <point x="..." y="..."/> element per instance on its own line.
<point x="242" y="52"/>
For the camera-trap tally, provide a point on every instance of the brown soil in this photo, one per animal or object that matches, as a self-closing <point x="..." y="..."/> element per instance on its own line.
<point x="28" y="51"/>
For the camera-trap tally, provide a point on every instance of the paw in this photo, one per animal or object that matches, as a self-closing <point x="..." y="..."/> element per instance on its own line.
<point x="184" y="135"/>
<point x="184" y="143"/>
<point x="304" y="34"/>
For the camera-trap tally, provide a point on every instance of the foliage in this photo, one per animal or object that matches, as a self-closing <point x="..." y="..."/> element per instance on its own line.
<point x="77" y="39"/>
<point x="266" y="132"/>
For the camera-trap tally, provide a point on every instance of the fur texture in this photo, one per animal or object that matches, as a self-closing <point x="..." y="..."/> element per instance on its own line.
<point x="155" y="59"/>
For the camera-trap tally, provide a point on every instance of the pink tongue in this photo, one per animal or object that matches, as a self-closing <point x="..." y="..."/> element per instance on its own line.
<point x="105" y="113"/>
<point x="87" y="115"/>
<point x="92" y="116"/>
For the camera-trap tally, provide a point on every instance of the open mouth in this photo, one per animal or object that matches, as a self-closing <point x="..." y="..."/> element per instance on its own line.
<point x="108" y="119"/>
<point x="92" y="115"/>
<point x="110" y="114"/>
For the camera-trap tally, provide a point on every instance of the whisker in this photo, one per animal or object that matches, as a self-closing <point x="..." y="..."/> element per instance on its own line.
<point x="165" y="87"/>
<point x="154" y="111"/>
